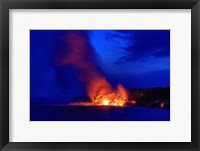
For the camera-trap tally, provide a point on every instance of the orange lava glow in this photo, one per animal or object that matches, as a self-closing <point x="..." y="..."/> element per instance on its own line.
<point x="162" y="105"/>
<point x="132" y="101"/>
<point x="105" y="102"/>
<point x="101" y="93"/>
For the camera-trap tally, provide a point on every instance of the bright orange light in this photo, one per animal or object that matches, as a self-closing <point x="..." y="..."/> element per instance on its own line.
<point x="101" y="92"/>
<point x="162" y="105"/>
<point x="134" y="101"/>
<point x="105" y="102"/>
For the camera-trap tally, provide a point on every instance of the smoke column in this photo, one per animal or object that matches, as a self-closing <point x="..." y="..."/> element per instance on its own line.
<point x="78" y="52"/>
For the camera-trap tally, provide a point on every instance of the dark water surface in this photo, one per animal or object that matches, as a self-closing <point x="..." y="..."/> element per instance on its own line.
<point x="97" y="113"/>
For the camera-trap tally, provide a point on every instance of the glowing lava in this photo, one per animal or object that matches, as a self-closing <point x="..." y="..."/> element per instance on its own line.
<point x="101" y="93"/>
<point x="162" y="105"/>
<point x="105" y="102"/>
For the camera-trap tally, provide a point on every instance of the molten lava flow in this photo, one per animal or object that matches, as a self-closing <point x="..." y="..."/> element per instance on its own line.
<point x="101" y="93"/>
<point x="162" y="105"/>
<point x="105" y="102"/>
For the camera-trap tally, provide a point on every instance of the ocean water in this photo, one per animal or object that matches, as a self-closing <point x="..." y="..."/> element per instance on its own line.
<point x="41" y="112"/>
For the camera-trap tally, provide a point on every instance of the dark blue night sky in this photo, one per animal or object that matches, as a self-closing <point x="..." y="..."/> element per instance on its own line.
<point x="134" y="58"/>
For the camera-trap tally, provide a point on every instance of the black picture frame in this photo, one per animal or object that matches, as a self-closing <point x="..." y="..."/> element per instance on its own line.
<point x="5" y="5"/>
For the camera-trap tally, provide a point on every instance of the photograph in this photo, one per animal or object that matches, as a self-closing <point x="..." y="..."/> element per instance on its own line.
<point x="100" y="75"/>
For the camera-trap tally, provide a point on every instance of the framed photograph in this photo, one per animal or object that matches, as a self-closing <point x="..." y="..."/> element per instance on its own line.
<point x="96" y="75"/>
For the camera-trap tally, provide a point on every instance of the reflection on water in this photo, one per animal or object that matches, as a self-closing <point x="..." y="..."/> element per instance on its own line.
<point x="97" y="113"/>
